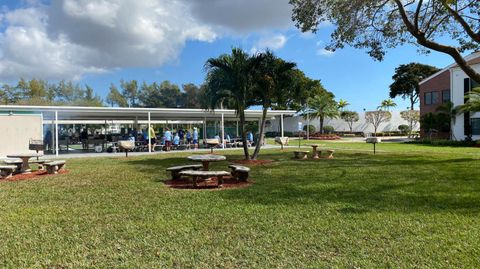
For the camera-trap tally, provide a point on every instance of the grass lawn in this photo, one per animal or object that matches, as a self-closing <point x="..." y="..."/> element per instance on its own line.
<point x="407" y="206"/>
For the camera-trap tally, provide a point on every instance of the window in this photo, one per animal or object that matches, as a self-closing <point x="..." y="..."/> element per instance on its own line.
<point x="432" y="98"/>
<point x="475" y="122"/>
<point x="445" y="96"/>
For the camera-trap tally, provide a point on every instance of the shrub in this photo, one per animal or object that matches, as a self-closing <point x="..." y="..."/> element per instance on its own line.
<point x="311" y="129"/>
<point x="328" y="129"/>
<point x="404" y="129"/>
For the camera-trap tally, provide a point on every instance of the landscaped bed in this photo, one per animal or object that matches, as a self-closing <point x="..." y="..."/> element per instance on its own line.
<point x="406" y="206"/>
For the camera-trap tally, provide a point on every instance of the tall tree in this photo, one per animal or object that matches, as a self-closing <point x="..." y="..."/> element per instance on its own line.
<point x="230" y="77"/>
<point x="191" y="94"/>
<point x="446" y="26"/>
<point x="387" y="104"/>
<point x="272" y="81"/>
<point x="406" y="81"/>
<point x="130" y="91"/>
<point x="170" y="94"/>
<point x="350" y="117"/>
<point x="115" y="98"/>
<point x="342" y="104"/>
<point x="412" y="117"/>
<point x="322" y="106"/>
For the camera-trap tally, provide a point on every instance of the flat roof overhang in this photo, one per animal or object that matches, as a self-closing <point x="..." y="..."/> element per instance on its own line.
<point x="123" y="113"/>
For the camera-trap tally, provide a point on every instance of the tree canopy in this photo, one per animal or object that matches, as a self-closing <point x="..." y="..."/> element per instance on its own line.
<point x="446" y="26"/>
<point x="406" y="81"/>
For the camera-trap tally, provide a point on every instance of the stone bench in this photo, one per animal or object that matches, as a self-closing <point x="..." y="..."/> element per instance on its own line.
<point x="17" y="163"/>
<point x="330" y="153"/>
<point x="301" y="154"/>
<point x="6" y="171"/>
<point x="175" y="170"/>
<point x="239" y="172"/>
<point x="54" y="167"/>
<point x="40" y="163"/>
<point x="198" y="176"/>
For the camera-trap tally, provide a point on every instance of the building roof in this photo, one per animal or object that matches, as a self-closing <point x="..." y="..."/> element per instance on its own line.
<point x="122" y="113"/>
<point x="473" y="58"/>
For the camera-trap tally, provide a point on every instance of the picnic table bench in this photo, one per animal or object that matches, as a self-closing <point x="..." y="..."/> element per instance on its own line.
<point x="6" y="171"/>
<point x="175" y="170"/>
<point x="40" y="163"/>
<point x="17" y="163"/>
<point x="239" y="172"/>
<point x="301" y="154"/>
<point x="202" y="176"/>
<point x="55" y="166"/>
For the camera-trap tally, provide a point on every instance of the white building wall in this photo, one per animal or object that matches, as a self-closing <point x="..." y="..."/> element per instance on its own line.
<point x="457" y="98"/>
<point x="291" y="123"/>
<point x="16" y="132"/>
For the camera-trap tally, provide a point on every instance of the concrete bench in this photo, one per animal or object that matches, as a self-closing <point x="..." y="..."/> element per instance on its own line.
<point x="198" y="176"/>
<point x="6" y="171"/>
<point x="175" y="170"/>
<point x="40" y="163"/>
<point x="239" y="172"/>
<point x="330" y="153"/>
<point x="17" y="163"/>
<point x="54" y="167"/>
<point x="301" y="154"/>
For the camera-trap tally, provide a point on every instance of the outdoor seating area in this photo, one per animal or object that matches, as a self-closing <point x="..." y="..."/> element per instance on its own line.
<point x="20" y="164"/>
<point x="317" y="153"/>
<point x="201" y="173"/>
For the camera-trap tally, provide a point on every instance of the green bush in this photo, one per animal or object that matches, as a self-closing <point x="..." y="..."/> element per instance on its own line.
<point x="311" y="129"/>
<point x="404" y="129"/>
<point x="328" y="129"/>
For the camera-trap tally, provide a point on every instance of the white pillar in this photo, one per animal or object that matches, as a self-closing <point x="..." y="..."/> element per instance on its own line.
<point x="308" y="124"/>
<point x="149" y="137"/>
<point x="237" y="129"/>
<point x="223" y="131"/>
<point x="56" y="133"/>
<point x="281" y="124"/>
<point x="204" y="129"/>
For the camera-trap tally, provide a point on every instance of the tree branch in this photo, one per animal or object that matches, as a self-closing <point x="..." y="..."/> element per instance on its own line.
<point x="463" y="23"/>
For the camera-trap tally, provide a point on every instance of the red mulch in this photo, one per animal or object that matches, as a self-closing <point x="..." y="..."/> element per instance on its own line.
<point x="253" y="162"/>
<point x="33" y="175"/>
<point x="228" y="183"/>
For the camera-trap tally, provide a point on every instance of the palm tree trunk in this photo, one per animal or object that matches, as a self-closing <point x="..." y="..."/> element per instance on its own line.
<point x="260" y="134"/>
<point x="244" y="135"/>
<point x="321" y="124"/>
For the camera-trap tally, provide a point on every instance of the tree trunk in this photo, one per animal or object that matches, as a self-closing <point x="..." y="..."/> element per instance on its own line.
<point x="412" y="103"/>
<point x="244" y="135"/>
<point x="260" y="134"/>
<point x="321" y="124"/>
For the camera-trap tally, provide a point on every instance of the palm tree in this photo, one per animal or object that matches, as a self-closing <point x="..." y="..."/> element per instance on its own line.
<point x="322" y="105"/>
<point x="230" y="79"/>
<point x="387" y="104"/>
<point x="342" y="104"/>
<point x="472" y="104"/>
<point x="273" y="80"/>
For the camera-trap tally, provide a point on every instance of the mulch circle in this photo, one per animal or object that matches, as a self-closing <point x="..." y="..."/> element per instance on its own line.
<point x="252" y="162"/>
<point x="228" y="183"/>
<point x="38" y="174"/>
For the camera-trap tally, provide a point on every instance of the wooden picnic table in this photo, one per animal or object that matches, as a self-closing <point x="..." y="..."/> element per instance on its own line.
<point x="206" y="159"/>
<point x="25" y="157"/>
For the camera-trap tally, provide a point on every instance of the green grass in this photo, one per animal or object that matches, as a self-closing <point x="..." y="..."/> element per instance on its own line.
<point x="407" y="206"/>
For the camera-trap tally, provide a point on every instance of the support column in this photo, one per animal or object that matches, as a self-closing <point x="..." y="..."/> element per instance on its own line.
<point x="204" y="130"/>
<point x="149" y="137"/>
<point x="281" y="124"/>
<point x="223" y="131"/>
<point x="237" y="130"/>
<point x="56" y="133"/>
<point x="308" y="124"/>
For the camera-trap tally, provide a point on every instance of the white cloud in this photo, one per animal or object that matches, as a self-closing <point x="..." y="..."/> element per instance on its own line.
<point x="272" y="42"/>
<point x="68" y="38"/>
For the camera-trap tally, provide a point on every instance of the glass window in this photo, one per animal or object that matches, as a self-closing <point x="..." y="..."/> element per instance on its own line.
<point x="435" y="97"/>
<point x="428" y="98"/>
<point x="445" y="96"/>
<point x="475" y="126"/>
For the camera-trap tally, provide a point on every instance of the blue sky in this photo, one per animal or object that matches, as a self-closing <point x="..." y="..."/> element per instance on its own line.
<point x="98" y="47"/>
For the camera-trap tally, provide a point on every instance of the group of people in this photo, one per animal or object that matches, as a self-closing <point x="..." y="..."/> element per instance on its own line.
<point x="173" y="138"/>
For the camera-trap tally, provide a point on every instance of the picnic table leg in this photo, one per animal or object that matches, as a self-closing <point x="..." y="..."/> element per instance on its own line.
<point x="195" y="182"/>
<point x="205" y="165"/>
<point x="25" y="166"/>
<point x="220" y="181"/>
<point x="315" y="153"/>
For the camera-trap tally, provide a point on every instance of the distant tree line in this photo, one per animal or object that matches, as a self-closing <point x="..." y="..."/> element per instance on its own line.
<point x="131" y="94"/>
